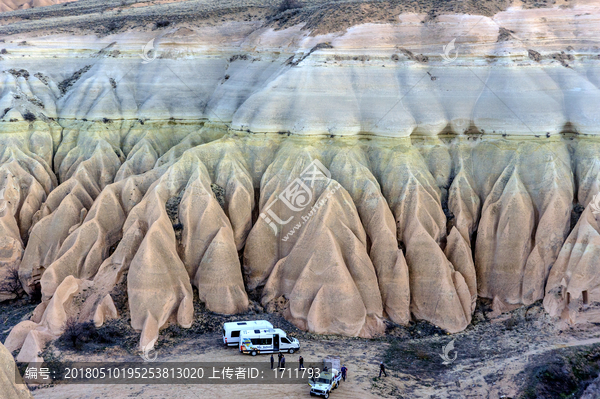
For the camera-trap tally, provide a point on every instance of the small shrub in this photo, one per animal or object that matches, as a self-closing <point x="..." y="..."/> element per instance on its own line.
<point x="113" y="26"/>
<point x="178" y="227"/>
<point x="162" y="24"/>
<point x="12" y="284"/>
<point x="511" y="323"/>
<point x="28" y="116"/>
<point x="78" y="333"/>
<point x="238" y="57"/>
<point x="3" y="51"/>
<point x="289" y="5"/>
<point x="219" y="194"/>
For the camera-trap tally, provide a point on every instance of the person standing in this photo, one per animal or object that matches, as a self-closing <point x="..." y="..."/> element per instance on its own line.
<point x="382" y="369"/>
<point x="283" y="362"/>
<point x="344" y="371"/>
<point x="279" y="355"/>
<point x="272" y="360"/>
<point x="301" y="362"/>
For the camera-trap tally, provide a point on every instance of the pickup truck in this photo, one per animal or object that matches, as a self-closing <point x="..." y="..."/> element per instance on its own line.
<point x="325" y="383"/>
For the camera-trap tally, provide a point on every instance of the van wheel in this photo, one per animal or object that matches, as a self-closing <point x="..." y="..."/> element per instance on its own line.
<point x="291" y="351"/>
<point x="253" y="353"/>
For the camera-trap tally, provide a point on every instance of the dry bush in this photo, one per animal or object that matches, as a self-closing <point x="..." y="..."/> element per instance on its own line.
<point x="289" y="5"/>
<point x="12" y="284"/>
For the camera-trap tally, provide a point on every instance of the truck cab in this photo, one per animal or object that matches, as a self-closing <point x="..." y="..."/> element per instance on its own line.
<point x="271" y="340"/>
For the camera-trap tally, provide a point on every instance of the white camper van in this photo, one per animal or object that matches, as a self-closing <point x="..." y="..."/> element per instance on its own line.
<point x="270" y="340"/>
<point x="231" y="331"/>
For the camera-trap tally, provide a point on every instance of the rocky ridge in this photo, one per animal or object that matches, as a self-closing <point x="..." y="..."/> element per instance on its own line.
<point x="437" y="184"/>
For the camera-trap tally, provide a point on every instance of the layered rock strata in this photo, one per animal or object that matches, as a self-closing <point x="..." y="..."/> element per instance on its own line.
<point x="341" y="183"/>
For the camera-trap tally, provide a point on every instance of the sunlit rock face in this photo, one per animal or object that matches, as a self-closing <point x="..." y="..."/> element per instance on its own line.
<point x="347" y="180"/>
<point x="12" y="387"/>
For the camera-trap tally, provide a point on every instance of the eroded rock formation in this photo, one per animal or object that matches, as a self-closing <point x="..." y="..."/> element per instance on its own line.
<point x="343" y="189"/>
<point x="11" y="387"/>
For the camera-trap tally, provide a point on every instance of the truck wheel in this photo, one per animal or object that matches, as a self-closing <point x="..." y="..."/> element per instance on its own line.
<point x="326" y="396"/>
<point x="291" y="351"/>
<point x="312" y="394"/>
<point x="253" y="353"/>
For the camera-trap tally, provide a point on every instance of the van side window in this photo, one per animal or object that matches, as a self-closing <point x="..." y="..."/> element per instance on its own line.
<point x="262" y="341"/>
<point x="284" y="340"/>
<point x="235" y="334"/>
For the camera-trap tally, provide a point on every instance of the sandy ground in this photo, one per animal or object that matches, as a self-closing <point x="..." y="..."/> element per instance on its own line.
<point x="362" y="365"/>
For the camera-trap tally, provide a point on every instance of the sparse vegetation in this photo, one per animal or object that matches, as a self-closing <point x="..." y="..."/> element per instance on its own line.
<point x="44" y="79"/>
<point x="563" y="58"/>
<point x="85" y="337"/>
<point x="238" y="57"/>
<point x="219" y="193"/>
<point x="29" y="116"/>
<point x="162" y="24"/>
<point x="14" y="311"/>
<point x="289" y="5"/>
<point x="113" y="26"/>
<point x="19" y="73"/>
<point x="534" y="55"/>
<point x="11" y="283"/>
<point x="504" y="35"/>
<point x="562" y="373"/>
<point x="66" y="84"/>
<point x="415" y="57"/>
<point x="78" y="333"/>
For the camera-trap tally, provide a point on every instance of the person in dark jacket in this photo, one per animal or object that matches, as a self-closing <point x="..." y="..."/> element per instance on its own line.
<point x="279" y="355"/>
<point x="344" y="371"/>
<point x="282" y="361"/>
<point x="382" y="369"/>
<point x="272" y="361"/>
<point x="301" y="362"/>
